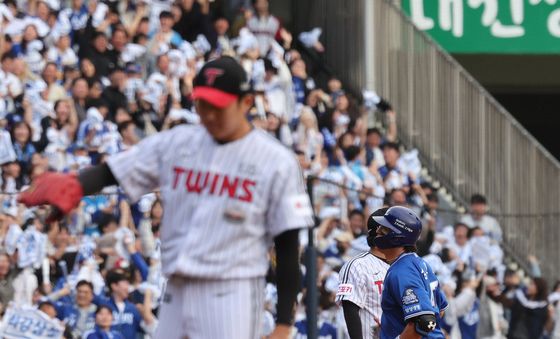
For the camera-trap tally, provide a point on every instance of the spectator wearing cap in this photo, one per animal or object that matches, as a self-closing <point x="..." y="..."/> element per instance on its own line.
<point x="478" y="216"/>
<point x="103" y="325"/>
<point x="127" y="319"/>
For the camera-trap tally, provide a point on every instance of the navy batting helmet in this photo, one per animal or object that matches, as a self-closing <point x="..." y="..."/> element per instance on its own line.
<point x="403" y="226"/>
<point x="372" y="225"/>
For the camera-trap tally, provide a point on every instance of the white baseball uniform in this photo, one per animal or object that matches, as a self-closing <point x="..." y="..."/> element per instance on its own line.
<point x="224" y="204"/>
<point x="361" y="282"/>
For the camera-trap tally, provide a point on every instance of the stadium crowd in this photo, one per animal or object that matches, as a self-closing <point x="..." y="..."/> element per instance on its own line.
<point x="81" y="80"/>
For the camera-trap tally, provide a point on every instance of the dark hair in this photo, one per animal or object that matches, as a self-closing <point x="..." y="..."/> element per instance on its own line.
<point x="352" y="152"/>
<point x="46" y="303"/>
<point x="355" y="212"/>
<point x="124" y="125"/>
<point x="391" y="145"/>
<point x="478" y="199"/>
<point x="50" y="63"/>
<point x="165" y="14"/>
<point x="432" y="197"/>
<point x="556" y="285"/>
<point x="84" y="283"/>
<point x="105" y="219"/>
<point x="21" y="123"/>
<point x="373" y="130"/>
<point x="6" y="56"/>
<point x="120" y="29"/>
<point x="97" y="103"/>
<point x="460" y="224"/>
<point x="139" y="36"/>
<point x="410" y="249"/>
<point x="57" y="103"/>
<point x="542" y="289"/>
<point x="74" y="81"/>
<point x="97" y="34"/>
<point x="103" y="306"/>
<point x="472" y="230"/>
<point x="427" y="185"/>
<point x="115" y="276"/>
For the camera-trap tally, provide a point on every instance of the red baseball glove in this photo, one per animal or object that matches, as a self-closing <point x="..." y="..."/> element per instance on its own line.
<point x="63" y="191"/>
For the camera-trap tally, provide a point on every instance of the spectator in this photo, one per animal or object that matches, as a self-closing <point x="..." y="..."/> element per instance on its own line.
<point x="357" y="223"/>
<point x="194" y="20"/>
<point x="529" y="309"/>
<point x="79" y="90"/>
<point x="302" y="84"/>
<point x="21" y="140"/>
<point x="478" y="217"/>
<point x="165" y="35"/>
<point x="392" y="176"/>
<point x="114" y="95"/>
<point x="100" y="56"/>
<point x="373" y="150"/>
<point x="266" y="27"/>
<point x="127" y="130"/>
<point x="55" y="91"/>
<point x="81" y="316"/>
<point x="103" y="323"/>
<point x="7" y="275"/>
<point x="127" y="319"/>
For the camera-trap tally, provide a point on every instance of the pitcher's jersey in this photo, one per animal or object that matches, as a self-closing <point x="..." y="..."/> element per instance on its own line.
<point x="361" y="282"/>
<point x="410" y="289"/>
<point x="223" y="203"/>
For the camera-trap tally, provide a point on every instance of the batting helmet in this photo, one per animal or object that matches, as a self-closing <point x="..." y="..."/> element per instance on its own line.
<point x="372" y="225"/>
<point x="404" y="228"/>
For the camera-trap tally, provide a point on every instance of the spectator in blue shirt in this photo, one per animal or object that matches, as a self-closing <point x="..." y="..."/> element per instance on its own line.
<point x="103" y="321"/>
<point x="127" y="319"/>
<point x="79" y="316"/>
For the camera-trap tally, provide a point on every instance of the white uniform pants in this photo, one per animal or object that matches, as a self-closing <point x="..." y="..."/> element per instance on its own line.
<point x="211" y="309"/>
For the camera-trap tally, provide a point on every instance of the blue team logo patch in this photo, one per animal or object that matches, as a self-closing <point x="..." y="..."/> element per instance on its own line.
<point x="409" y="297"/>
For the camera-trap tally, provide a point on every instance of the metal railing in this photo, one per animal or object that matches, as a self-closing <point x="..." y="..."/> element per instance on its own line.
<point x="465" y="138"/>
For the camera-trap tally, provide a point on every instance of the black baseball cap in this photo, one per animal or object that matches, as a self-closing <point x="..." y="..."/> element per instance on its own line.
<point x="220" y="82"/>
